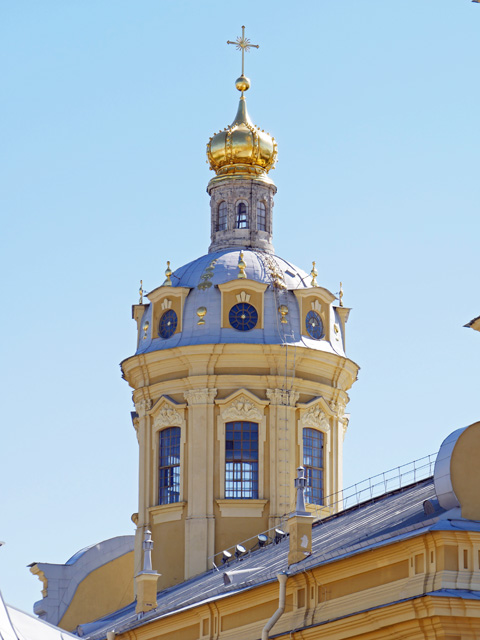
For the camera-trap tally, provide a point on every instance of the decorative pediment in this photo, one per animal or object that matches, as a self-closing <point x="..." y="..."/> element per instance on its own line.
<point x="242" y="409"/>
<point x="167" y="413"/>
<point x="242" y="405"/>
<point x="315" y="418"/>
<point x="167" y="417"/>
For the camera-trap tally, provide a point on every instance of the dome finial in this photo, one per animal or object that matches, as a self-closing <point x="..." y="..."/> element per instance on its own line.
<point x="243" y="44"/>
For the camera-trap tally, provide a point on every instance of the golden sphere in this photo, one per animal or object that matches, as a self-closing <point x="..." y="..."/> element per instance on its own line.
<point x="242" y="83"/>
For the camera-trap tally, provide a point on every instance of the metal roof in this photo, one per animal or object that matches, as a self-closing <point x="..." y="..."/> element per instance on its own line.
<point x="380" y="521"/>
<point x="203" y="275"/>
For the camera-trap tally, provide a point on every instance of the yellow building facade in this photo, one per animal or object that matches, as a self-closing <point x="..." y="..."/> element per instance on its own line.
<point x="240" y="383"/>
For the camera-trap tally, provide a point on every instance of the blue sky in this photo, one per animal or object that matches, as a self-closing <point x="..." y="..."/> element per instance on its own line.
<point x="107" y="107"/>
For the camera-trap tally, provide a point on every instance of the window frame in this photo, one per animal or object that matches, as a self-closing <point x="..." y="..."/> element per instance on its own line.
<point x="173" y="433"/>
<point x="238" y="204"/>
<point x="245" y="463"/>
<point x="252" y="410"/>
<point x="263" y="215"/>
<point x="164" y="416"/>
<point x="311" y="490"/>
<point x="222" y="214"/>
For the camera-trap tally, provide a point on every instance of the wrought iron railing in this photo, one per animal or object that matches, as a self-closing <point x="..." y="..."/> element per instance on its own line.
<point x="352" y="496"/>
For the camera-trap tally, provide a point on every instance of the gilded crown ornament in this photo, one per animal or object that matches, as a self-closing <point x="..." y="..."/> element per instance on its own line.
<point x="242" y="150"/>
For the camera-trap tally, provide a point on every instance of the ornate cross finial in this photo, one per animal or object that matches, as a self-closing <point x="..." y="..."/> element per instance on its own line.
<point x="140" y="291"/>
<point x="168" y="273"/>
<point x="340" y="295"/>
<point x="243" y="44"/>
<point x="314" y="274"/>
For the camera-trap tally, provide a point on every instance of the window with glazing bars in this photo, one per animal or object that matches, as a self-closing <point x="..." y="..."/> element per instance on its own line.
<point x="241" y="221"/>
<point x="222" y="217"/>
<point x="241" y="460"/>
<point x="313" y="463"/>
<point x="169" y="467"/>
<point x="261" y="216"/>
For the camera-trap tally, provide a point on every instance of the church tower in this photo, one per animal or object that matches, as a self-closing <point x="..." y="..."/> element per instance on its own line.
<point x="240" y="376"/>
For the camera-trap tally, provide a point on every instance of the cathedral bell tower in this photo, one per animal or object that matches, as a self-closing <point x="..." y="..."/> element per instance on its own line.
<point x="239" y="377"/>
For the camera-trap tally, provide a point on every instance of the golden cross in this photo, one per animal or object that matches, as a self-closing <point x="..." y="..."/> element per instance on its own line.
<point x="243" y="44"/>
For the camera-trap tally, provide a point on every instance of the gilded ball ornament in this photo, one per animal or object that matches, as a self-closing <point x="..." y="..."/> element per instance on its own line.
<point x="242" y="83"/>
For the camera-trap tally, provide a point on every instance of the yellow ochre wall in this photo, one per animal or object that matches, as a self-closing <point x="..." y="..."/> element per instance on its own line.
<point x="371" y="595"/>
<point x="200" y="388"/>
<point x="104" y="590"/>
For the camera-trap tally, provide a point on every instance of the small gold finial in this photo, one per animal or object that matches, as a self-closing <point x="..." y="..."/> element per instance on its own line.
<point x="340" y="295"/>
<point x="140" y="291"/>
<point x="314" y="274"/>
<point x="283" y="311"/>
<point x="201" y="313"/>
<point x="243" y="44"/>
<point x="168" y="273"/>
<point x="241" y="266"/>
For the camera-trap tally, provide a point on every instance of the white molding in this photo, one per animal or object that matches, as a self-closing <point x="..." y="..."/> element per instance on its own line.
<point x="241" y="508"/>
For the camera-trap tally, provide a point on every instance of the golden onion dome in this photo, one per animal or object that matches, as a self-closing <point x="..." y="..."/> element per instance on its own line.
<point x="241" y="150"/>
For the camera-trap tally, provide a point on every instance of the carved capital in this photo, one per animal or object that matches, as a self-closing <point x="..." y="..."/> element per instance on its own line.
<point x="315" y="418"/>
<point x="338" y="407"/>
<point x="283" y="397"/>
<point x="200" y="396"/>
<point x="167" y="417"/>
<point x="142" y="407"/>
<point x="242" y="409"/>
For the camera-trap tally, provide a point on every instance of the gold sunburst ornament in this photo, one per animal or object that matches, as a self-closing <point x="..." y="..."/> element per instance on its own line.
<point x="243" y="44"/>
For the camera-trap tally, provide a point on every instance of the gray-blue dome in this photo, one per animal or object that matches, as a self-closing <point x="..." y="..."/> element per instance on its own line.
<point x="223" y="267"/>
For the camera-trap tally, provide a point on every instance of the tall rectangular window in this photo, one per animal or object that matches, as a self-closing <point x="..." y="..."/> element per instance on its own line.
<point x="313" y="463"/>
<point x="261" y="216"/>
<point x="169" y="466"/>
<point x="241" y="460"/>
<point x="241" y="220"/>
<point x="222" y="217"/>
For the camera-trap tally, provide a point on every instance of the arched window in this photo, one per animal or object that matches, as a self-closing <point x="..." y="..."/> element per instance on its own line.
<point x="241" y="220"/>
<point x="222" y="217"/>
<point x="169" y="466"/>
<point x="261" y="216"/>
<point x="241" y="460"/>
<point x="313" y="463"/>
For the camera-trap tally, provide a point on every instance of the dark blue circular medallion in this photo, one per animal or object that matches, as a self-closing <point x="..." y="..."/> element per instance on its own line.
<point x="314" y="325"/>
<point x="243" y="316"/>
<point x="168" y="324"/>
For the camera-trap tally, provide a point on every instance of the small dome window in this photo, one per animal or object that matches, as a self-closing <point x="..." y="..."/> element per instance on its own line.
<point x="168" y="324"/>
<point x="261" y="216"/>
<point x="243" y="317"/>
<point x="241" y="221"/>
<point x="314" y="326"/>
<point x="222" y="217"/>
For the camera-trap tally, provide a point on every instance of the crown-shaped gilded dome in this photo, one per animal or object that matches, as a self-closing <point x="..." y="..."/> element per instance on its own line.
<point x="242" y="150"/>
